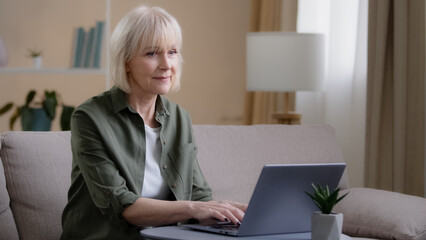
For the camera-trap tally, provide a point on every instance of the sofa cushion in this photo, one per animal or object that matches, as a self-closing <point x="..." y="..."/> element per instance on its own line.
<point x="7" y="227"/>
<point x="37" y="180"/>
<point x="383" y="214"/>
<point x="231" y="157"/>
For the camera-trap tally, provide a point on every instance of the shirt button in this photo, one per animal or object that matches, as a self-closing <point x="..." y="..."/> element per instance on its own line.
<point x="174" y="185"/>
<point x="164" y="142"/>
<point x="107" y="193"/>
<point x="164" y="166"/>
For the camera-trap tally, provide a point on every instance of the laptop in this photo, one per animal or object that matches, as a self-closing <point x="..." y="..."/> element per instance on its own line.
<point x="279" y="203"/>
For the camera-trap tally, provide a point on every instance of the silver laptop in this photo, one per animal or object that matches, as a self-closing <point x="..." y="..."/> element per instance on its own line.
<point x="279" y="203"/>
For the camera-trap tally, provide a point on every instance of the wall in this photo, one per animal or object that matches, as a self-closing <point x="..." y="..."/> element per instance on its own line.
<point x="213" y="80"/>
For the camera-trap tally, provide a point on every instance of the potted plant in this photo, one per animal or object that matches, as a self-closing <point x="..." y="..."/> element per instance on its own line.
<point x="36" y="56"/>
<point x="326" y="224"/>
<point x="38" y="116"/>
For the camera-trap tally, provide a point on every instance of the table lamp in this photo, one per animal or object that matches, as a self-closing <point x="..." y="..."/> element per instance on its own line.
<point x="285" y="62"/>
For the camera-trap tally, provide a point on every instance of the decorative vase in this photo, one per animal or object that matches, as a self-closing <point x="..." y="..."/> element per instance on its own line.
<point x="3" y="54"/>
<point x="35" y="119"/>
<point x="37" y="62"/>
<point x="326" y="226"/>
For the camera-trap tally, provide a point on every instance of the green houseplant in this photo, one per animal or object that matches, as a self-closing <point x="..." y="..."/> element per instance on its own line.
<point x="326" y="224"/>
<point x="34" y="53"/>
<point x="37" y="116"/>
<point x="324" y="199"/>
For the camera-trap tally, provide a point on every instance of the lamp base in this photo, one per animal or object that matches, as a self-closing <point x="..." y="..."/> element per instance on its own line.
<point x="287" y="118"/>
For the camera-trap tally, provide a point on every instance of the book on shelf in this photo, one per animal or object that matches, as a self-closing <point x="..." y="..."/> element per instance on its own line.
<point x="99" y="33"/>
<point x="79" y="49"/>
<point x="87" y="46"/>
<point x="88" y="54"/>
<point x="74" y="48"/>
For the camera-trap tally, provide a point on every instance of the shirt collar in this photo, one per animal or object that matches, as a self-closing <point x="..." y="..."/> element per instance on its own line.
<point x="119" y="102"/>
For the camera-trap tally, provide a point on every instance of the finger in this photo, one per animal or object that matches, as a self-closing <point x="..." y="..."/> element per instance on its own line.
<point x="220" y="217"/>
<point x="238" y="213"/>
<point x="237" y="209"/>
<point x="232" y="216"/>
<point x="241" y="206"/>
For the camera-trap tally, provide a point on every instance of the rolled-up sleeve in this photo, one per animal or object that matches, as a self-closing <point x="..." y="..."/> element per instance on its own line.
<point x="105" y="183"/>
<point x="201" y="190"/>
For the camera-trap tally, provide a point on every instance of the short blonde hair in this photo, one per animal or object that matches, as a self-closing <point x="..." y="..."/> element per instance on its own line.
<point x="140" y="28"/>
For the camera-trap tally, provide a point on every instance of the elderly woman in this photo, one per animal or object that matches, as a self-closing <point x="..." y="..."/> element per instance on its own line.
<point x="134" y="157"/>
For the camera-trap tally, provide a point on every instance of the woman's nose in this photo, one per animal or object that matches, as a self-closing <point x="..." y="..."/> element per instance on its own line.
<point x="165" y="62"/>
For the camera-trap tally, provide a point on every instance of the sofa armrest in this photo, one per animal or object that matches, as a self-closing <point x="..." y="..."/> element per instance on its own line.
<point x="383" y="214"/>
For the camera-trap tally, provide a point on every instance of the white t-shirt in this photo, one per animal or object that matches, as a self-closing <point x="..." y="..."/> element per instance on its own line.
<point x="154" y="185"/>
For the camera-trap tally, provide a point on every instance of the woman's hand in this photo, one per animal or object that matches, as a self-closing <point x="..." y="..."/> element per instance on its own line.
<point x="150" y="212"/>
<point x="213" y="211"/>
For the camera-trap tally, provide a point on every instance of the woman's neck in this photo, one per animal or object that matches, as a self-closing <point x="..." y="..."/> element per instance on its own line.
<point x="145" y="107"/>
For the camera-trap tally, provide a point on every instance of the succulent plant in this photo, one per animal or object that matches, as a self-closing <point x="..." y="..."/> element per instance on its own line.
<point x="324" y="199"/>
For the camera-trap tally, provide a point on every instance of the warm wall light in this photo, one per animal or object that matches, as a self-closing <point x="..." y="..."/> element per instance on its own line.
<point x="285" y="62"/>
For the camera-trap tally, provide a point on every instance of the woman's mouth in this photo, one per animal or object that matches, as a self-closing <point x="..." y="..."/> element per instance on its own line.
<point x="162" y="78"/>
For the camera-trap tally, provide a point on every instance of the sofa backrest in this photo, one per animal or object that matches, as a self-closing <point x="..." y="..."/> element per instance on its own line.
<point x="231" y="157"/>
<point x="37" y="167"/>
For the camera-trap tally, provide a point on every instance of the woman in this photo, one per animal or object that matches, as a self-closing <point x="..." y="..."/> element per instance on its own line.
<point x="134" y="158"/>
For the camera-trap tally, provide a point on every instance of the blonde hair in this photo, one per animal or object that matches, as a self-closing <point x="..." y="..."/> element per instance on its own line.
<point x="140" y="28"/>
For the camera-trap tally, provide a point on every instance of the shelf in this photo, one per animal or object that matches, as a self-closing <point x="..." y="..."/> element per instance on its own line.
<point x="66" y="71"/>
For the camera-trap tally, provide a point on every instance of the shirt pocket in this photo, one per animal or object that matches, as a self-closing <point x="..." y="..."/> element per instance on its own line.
<point x="182" y="161"/>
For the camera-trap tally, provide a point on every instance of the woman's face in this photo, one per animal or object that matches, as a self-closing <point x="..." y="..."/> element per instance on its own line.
<point x="152" y="70"/>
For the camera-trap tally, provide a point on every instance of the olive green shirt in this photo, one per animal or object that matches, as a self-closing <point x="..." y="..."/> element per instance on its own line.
<point x="108" y="147"/>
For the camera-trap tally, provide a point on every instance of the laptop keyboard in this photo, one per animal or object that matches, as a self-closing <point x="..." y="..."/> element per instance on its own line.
<point x="225" y="226"/>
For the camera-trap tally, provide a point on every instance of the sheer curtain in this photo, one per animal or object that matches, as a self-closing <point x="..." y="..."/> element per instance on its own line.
<point x="342" y="103"/>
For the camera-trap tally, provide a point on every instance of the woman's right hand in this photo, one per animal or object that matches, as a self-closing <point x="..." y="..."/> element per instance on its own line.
<point x="213" y="211"/>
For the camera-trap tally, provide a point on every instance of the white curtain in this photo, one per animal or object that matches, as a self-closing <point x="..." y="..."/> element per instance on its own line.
<point x="342" y="103"/>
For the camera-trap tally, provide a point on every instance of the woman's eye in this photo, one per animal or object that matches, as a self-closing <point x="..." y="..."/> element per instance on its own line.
<point x="174" y="51"/>
<point x="151" y="53"/>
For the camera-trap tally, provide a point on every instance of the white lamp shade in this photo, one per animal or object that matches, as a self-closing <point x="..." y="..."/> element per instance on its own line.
<point x="285" y="61"/>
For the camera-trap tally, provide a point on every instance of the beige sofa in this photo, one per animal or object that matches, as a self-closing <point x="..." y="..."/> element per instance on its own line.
<point x="35" y="175"/>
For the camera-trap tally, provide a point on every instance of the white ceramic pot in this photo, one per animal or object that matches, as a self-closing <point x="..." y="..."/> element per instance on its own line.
<point x="3" y="54"/>
<point x="37" y="62"/>
<point x="326" y="226"/>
